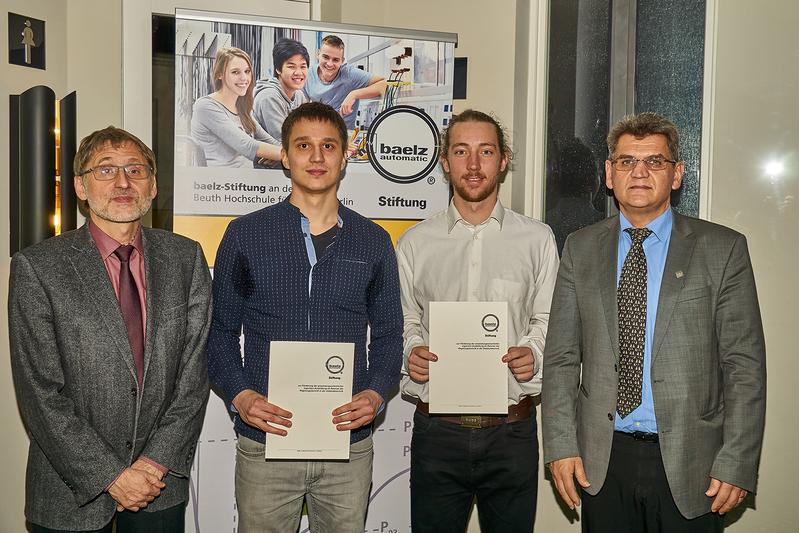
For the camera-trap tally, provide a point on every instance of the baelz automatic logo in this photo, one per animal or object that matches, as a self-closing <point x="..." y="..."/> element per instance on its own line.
<point x="403" y="144"/>
<point x="490" y="322"/>
<point x="335" y="364"/>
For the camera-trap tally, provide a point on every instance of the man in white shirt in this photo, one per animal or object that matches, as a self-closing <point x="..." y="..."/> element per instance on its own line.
<point x="476" y="250"/>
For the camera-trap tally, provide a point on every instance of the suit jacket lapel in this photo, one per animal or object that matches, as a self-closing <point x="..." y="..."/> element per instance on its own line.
<point x="681" y="247"/>
<point x="93" y="276"/>
<point x="154" y="263"/>
<point x="608" y="244"/>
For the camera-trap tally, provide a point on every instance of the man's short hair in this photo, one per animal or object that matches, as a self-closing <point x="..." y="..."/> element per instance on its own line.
<point x="641" y="125"/>
<point x="314" y="111"/>
<point x="284" y="50"/>
<point x="472" y="115"/>
<point x="116" y="137"/>
<point x="334" y="41"/>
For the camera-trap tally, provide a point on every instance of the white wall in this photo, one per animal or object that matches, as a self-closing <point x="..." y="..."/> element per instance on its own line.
<point x="15" y="80"/>
<point x="754" y="120"/>
<point x="94" y="62"/>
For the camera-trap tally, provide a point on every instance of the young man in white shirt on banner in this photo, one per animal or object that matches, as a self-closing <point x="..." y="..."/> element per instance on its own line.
<point x="476" y="250"/>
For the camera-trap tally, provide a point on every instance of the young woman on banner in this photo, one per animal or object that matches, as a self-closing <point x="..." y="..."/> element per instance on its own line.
<point x="222" y="123"/>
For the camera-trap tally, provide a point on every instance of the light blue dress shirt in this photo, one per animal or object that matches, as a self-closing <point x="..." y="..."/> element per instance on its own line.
<point x="656" y="247"/>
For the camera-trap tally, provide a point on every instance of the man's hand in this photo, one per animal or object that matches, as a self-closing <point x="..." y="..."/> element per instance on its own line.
<point x="144" y="466"/>
<point x="352" y="150"/>
<point x="727" y="496"/>
<point x="257" y="412"/>
<point x="419" y="363"/>
<point x="134" y="489"/>
<point x="521" y="362"/>
<point x="564" y="471"/>
<point x="346" y="105"/>
<point x="359" y="412"/>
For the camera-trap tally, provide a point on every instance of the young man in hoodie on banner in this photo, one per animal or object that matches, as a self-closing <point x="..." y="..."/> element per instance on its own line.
<point x="276" y="97"/>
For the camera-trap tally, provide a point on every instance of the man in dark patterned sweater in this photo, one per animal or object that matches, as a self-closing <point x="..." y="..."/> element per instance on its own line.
<point x="306" y="269"/>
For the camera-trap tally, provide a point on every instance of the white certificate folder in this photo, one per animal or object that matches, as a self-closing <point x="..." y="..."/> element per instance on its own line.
<point x="310" y="379"/>
<point x="469" y="339"/>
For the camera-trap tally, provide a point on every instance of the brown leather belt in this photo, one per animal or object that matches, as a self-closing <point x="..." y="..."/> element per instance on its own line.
<point x="520" y="411"/>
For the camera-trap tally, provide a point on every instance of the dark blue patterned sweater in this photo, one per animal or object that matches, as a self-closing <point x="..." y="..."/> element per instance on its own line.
<point x="261" y="283"/>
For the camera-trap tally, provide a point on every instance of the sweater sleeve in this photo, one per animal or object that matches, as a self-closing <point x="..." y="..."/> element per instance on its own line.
<point x="231" y="274"/>
<point x="385" y="323"/>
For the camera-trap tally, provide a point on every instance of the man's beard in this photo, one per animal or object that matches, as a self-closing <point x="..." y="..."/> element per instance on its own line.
<point x="472" y="195"/>
<point x="103" y="212"/>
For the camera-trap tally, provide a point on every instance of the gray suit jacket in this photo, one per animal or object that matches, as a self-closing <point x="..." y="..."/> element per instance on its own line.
<point x="708" y="360"/>
<point x="76" y="382"/>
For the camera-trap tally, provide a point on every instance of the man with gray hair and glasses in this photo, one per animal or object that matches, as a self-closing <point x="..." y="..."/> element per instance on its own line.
<point x="108" y="325"/>
<point x="654" y="394"/>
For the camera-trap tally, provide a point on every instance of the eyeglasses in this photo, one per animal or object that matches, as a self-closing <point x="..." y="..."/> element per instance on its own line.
<point x="136" y="171"/>
<point x="654" y="162"/>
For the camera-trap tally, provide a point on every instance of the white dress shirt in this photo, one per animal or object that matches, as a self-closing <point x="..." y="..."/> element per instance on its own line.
<point x="508" y="257"/>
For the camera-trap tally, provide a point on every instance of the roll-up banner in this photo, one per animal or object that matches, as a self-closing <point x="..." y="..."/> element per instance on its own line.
<point x="394" y="90"/>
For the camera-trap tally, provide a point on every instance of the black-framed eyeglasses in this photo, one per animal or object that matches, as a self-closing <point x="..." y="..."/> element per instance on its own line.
<point x="136" y="171"/>
<point x="654" y="162"/>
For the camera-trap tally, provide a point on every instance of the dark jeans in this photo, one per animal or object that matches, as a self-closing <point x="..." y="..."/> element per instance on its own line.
<point x="451" y="465"/>
<point x="636" y="497"/>
<point x="167" y="521"/>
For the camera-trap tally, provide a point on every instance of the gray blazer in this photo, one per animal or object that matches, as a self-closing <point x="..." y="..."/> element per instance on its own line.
<point x="708" y="360"/>
<point x="76" y="382"/>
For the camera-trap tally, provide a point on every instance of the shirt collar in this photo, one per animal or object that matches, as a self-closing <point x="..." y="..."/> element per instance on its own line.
<point x="107" y="244"/>
<point x="660" y="227"/>
<point x="296" y="210"/>
<point x="454" y="216"/>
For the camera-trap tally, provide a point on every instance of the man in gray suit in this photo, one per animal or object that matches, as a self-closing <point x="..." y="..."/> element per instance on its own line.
<point x="108" y="325"/>
<point x="654" y="366"/>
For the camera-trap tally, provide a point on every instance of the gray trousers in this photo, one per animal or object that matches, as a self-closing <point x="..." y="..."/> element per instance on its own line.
<point x="270" y="494"/>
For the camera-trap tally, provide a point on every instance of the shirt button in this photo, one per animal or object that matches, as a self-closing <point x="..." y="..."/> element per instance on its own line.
<point x="128" y="445"/>
<point x="610" y="417"/>
<point x="133" y="391"/>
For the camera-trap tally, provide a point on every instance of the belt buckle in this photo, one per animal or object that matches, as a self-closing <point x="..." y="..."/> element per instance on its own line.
<point x="471" y="421"/>
<point x="643" y="436"/>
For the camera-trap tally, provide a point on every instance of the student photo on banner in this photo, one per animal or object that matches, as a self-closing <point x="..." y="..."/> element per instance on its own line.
<point x="236" y="82"/>
<point x="223" y="127"/>
<point x="339" y="84"/>
<point x="276" y="96"/>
